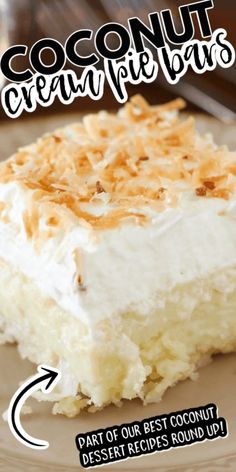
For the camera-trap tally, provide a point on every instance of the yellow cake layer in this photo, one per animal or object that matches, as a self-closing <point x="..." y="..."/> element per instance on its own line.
<point x="135" y="356"/>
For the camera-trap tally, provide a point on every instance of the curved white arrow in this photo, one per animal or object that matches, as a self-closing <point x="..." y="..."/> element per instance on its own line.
<point x="45" y="380"/>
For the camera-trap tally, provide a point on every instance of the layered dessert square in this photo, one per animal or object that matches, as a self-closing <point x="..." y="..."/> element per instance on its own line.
<point x="118" y="254"/>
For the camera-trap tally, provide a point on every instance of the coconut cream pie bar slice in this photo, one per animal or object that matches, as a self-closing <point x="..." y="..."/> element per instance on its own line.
<point x="118" y="253"/>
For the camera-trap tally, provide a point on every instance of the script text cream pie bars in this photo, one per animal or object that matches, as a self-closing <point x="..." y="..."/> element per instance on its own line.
<point x="118" y="254"/>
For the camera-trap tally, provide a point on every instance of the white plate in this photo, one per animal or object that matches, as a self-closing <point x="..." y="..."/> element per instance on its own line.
<point x="216" y="384"/>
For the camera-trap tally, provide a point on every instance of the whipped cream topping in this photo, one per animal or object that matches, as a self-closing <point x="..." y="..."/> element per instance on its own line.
<point x="125" y="269"/>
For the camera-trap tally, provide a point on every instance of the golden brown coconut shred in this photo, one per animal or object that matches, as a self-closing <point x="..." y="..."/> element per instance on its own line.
<point x="143" y="156"/>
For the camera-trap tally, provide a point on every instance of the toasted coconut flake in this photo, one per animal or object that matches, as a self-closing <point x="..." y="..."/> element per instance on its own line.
<point x="177" y="104"/>
<point x="27" y="224"/>
<point x="79" y="276"/>
<point x="222" y="193"/>
<point x="57" y="139"/>
<point x="209" y="184"/>
<point x="142" y="156"/>
<point x="99" y="187"/>
<point x="201" y="191"/>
